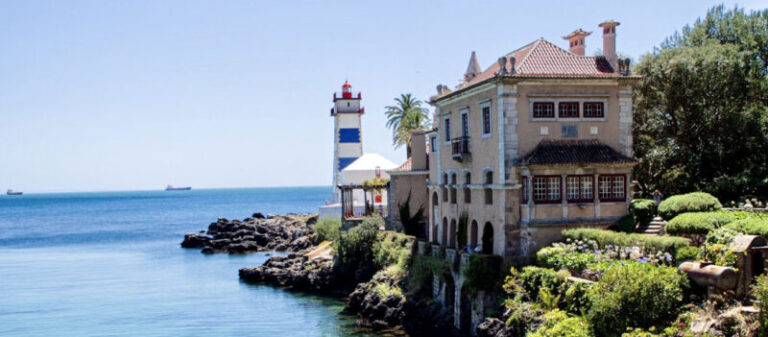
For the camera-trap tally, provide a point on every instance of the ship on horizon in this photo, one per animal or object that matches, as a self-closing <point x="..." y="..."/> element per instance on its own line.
<point x="12" y="192"/>
<point x="174" y="188"/>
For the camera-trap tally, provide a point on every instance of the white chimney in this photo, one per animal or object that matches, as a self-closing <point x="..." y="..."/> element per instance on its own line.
<point x="576" y="41"/>
<point x="609" y="43"/>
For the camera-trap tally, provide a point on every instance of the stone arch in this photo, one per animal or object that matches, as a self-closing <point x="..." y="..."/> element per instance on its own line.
<point x="488" y="238"/>
<point x="450" y="293"/>
<point x="465" y="311"/>
<point x="444" y="240"/>
<point x="473" y="234"/>
<point x="452" y="234"/>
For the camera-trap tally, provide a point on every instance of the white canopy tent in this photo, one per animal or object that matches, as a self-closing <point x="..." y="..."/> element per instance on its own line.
<point x="365" y="168"/>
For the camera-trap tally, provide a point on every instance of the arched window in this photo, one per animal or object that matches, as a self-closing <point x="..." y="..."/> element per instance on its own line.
<point x="473" y="234"/>
<point x="467" y="191"/>
<point x="488" y="238"/>
<point x="445" y="188"/>
<point x="452" y="233"/>
<point x="444" y="240"/>
<point x="453" y="188"/>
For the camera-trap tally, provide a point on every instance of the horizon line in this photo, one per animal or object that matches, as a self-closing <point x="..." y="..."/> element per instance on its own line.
<point x="162" y="189"/>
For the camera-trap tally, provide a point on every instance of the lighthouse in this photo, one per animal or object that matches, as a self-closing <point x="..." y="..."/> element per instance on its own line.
<point x="347" y="136"/>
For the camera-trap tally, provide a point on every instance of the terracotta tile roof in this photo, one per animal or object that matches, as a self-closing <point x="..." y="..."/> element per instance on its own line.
<point x="552" y="152"/>
<point x="405" y="167"/>
<point x="542" y="58"/>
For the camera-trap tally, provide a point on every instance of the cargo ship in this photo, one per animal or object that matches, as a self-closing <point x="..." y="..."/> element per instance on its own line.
<point x="12" y="192"/>
<point x="174" y="188"/>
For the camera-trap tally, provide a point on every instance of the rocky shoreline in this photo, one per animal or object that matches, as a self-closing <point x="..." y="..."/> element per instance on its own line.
<point x="291" y="232"/>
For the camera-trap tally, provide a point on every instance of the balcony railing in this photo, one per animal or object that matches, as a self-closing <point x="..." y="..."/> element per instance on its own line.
<point x="460" y="148"/>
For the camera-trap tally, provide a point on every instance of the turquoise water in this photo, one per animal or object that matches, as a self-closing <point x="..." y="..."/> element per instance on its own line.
<point x="109" y="264"/>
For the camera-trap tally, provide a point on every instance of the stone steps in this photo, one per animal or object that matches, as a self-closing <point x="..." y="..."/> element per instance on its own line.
<point x="656" y="227"/>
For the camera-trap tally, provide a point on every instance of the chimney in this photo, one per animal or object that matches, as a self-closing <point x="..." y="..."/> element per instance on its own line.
<point x="418" y="150"/>
<point x="576" y="41"/>
<point x="609" y="43"/>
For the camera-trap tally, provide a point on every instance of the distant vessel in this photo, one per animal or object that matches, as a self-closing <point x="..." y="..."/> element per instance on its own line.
<point x="12" y="192"/>
<point x="174" y="188"/>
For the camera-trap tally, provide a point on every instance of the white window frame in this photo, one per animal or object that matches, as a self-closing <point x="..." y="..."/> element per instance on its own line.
<point x="487" y="104"/>
<point x="558" y="100"/>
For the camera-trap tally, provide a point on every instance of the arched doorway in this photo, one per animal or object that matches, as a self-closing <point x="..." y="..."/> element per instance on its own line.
<point x="444" y="237"/>
<point x="452" y="233"/>
<point x="435" y="203"/>
<point x="473" y="234"/>
<point x="450" y="293"/>
<point x="465" y="312"/>
<point x="488" y="238"/>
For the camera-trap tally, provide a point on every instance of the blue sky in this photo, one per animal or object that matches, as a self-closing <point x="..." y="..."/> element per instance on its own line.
<point x="126" y="95"/>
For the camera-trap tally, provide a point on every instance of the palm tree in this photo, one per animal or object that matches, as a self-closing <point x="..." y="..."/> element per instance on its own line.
<point x="405" y="116"/>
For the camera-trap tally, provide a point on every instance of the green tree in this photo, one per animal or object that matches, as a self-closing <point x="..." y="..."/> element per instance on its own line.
<point x="405" y="116"/>
<point x="701" y="110"/>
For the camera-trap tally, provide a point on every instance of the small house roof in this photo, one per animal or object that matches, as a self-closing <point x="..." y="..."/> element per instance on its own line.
<point x="561" y="151"/>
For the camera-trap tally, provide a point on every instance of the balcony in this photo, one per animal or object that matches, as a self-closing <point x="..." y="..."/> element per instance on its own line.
<point x="460" y="149"/>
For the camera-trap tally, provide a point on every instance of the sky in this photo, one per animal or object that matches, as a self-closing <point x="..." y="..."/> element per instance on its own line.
<point x="134" y="95"/>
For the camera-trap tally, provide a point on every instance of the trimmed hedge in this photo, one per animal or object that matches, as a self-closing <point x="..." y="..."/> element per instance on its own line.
<point x="697" y="223"/>
<point x="668" y="244"/>
<point x="643" y="210"/>
<point x="750" y="226"/>
<point x="691" y="202"/>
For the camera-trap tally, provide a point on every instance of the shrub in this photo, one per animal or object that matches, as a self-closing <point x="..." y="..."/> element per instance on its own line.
<point x="687" y="253"/>
<point x="627" y="223"/>
<point x="384" y="290"/>
<point x="643" y="210"/>
<point x="534" y="279"/>
<point x="393" y="248"/>
<point x="741" y="215"/>
<point x="482" y="273"/>
<point x="558" y="323"/>
<point x="691" y="202"/>
<point x="605" y="237"/>
<point x="760" y="294"/>
<point x="696" y="223"/>
<point x="558" y="258"/>
<point x="634" y="295"/>
<point x="576" y="300"/>
<point x="750" y="226"/>
<point x="717" y="247"/>
<point x="355" y="246"/>
<point x="411" y="223"/>
<point x="327" y="229"/>
<point x="373" y="220"/>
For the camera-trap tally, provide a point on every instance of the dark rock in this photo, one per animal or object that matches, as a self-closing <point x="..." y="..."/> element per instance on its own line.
<point x="258" y="215"/>
<point x="490" y="327"/>
<point x="195" y="241"/>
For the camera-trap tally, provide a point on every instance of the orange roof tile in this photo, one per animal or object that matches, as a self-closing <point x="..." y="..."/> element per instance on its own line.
<point x="404" y="167"/>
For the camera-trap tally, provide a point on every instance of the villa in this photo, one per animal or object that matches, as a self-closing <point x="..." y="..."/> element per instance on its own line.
<point x="538" y="142"/>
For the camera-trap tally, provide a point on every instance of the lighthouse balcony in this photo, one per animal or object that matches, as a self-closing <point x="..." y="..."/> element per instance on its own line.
<point x="460" y="149"/>
<point x="347" y="95"/>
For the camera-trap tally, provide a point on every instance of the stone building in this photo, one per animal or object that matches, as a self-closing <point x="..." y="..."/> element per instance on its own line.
<point x="408" y="183"/>
<point x="538" y="142"/>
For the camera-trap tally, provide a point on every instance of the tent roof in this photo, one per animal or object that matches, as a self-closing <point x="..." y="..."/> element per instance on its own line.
<point x="370" y="161"/>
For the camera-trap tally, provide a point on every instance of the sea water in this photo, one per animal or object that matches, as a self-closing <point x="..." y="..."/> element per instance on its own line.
<point x="110" y="264"/>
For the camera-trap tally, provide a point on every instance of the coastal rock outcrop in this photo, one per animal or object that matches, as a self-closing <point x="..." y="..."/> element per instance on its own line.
<point x="279" y="232"/>
<point x="297" y="272"/>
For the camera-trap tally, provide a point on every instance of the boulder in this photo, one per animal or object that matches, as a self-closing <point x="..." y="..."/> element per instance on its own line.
<point x="195" y="241"/>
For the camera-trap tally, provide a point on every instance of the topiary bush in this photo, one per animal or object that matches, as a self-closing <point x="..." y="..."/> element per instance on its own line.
<point x="635" y="295"/>
<point x="697" y="223"/>
<point x="668" y="244"/>
<point x="750" y="226"/>
<point x="687" y="253"/>
<point x="691" y="202"/>
<point x="643" y="210"/>
<point x="327" y="229"/>
<point x="627" y="223"/>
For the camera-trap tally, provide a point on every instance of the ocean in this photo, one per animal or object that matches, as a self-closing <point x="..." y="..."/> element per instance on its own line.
<point x="110" y="264"/>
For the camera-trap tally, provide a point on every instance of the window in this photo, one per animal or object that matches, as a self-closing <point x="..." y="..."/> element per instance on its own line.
<point x="612" y="188"/>
<point x="433" y="143"/>
<point x="486" y="120"/>
<point x="445" y="194"/>
<point x="543" y="110"/>
<point x="593" y="110"/>
<point x="570" y="131"/>
<point x="488" y="190"/>
<point x="467" y="191"/>
<point x="453" y="188"/>
<point x="447" y="129"/>
<point x="546" y="189"/>
<point x="568" y="109"/>
<point x="526" y="190"/>
<point x="579" y="188"/>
